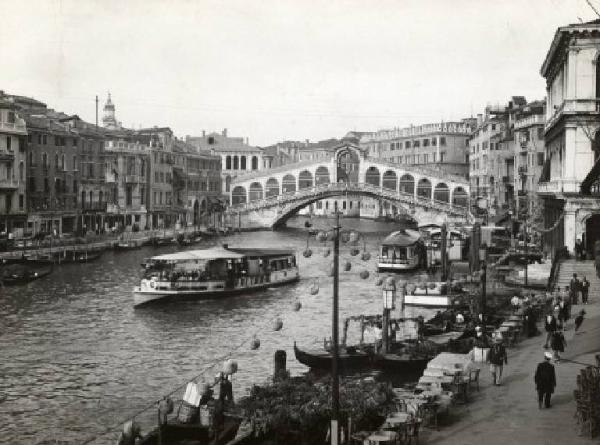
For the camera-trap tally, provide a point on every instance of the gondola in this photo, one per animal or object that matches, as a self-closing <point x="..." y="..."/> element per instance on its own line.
<point x="180" y="434"/>
<point x="405" y="363"/>
<point x="23" y="277"/>
<point x="86" y="256"/>
<point x="123" y="246"/>
<point x="349" y="358"/>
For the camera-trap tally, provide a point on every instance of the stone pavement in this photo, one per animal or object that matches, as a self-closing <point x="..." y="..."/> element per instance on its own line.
<point x="509" y="414"/>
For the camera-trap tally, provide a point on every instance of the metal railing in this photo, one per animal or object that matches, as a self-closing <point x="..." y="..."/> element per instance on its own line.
<point x="334" y="189"/>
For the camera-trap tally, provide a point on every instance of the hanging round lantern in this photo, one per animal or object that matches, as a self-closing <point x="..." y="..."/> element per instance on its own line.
<point x="277" y="324"/>
<point x="422" y="285"/>
<point x="353" y="237"/>
<point x="347" y="266"/>
<point x="431" y="285"/>
<point x="230" y="367"/>
<point x="379" y="281"/>
<point x="321" y="236"/>
<point x="366" y="256"/>
<point x="314" y="289"/>
<point x="307" y="253"/>
<point x="330" y="235"/>
<point x="364" y="274"/>
<point x="297" y="306"/>
<point x="410" y="288"/>
<point x="401" y="284"/>
<point x="354" y="251"/>
<point x="345" y="237"/>
<point x="326" y="252"/>
<point x="255" y="344"/>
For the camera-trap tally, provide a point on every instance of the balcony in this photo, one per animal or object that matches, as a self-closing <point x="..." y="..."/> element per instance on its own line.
<point x="573" y="107"/>
<point x="536" y="119"/>
<point x="7" y="156"/>
<point x="132" y="179"/>
<point x="94" y="206"/>
<point x="14" y="128"/>
<point x="522" y="170"/>
<point x="8" y="184"/>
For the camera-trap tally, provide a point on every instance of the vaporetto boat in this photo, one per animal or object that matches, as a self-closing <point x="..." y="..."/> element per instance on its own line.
<point x="214" y="272"/>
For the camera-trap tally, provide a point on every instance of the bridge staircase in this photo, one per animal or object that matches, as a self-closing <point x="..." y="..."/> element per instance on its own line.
<point x="581" y="268"/>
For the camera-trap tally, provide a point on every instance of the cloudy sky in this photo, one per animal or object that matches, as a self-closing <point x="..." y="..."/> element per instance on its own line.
<point x="273" y="70"/>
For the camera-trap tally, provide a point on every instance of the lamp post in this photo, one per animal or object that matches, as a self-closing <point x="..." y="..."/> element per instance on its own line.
<point x="483" y="292"/>
<point x="335" y="384"/>
<point x="389" y="303"/>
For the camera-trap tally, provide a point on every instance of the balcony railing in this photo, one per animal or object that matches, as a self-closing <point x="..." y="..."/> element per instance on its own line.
<point x="16" y="127"/>
<point x="573" y="106"/>
<point x="8" y="184"/>
<point x="94" y="206"/>
<point x="536" y="119"/>
<point x="7" y="156"/>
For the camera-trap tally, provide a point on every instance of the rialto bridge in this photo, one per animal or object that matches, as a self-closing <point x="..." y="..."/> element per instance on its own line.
<point x="267" y="198"/>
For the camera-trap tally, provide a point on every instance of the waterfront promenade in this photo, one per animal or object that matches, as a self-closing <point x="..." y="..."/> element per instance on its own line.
<point x="509" y="414"/>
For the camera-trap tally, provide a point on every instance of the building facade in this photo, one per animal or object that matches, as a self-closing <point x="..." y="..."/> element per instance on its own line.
<point x="529" y="156"/>
<point x="13" y="170"/>
<point x="439" y="145"/>
<point x="237" y="155"/>
<point x="569" y="184"/>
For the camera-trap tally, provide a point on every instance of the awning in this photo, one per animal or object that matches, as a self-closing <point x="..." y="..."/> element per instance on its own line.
<point x="402" y="238"/>
<point x="203" y="254"/>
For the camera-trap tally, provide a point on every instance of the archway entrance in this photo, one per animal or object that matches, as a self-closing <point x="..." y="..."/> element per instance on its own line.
<point x="347" y="166"/>
<point x="592" y="232"/>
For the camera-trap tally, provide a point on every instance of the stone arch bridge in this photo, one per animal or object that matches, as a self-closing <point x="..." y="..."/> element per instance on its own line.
<point x="267" y="198"/>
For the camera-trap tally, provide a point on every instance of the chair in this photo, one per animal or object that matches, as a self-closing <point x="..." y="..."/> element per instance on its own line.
<point x="460" y="388"/>
<point x="474" y="378"/>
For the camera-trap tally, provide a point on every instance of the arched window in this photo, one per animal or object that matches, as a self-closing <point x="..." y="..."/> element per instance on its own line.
<point x="254" y="163"/>
<point x="21" y="171"/>
<point x="62" y="162"/>
<point x="44" y="160"/>
<point x="83" y="198"/>
<point x="56" y="165"/>
<point x="242" y="162"/>
<point x="228" y="162"/>
<point x="236" y="163"/>
<point x="74" y="162"/>
<point x="91" y="196"/>
<point x="100" y="196"/>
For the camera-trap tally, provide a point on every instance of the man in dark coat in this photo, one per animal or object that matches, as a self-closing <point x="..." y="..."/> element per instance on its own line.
<point x="545" y="380"/>
<point x="574" y="289"/>
<point x="551" y="326"/>
<point x="585" y="289"/>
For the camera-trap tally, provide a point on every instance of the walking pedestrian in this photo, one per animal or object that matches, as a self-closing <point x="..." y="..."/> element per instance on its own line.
<point x="558" y="344"/>
<point x="579" y="320"/>
<point x="585" y="289"/>
<point x="545" y="380"/>
<point x="498" y="359"/>
<point x="574" y="290"/>
<point x="551" y="326"/>
<point x="578" y="250"/>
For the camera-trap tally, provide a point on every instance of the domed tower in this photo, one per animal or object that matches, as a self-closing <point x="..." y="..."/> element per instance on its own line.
<point x="109" y="120"/>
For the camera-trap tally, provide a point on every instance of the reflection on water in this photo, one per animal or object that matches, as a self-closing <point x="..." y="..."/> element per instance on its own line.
<point x="76" y="356"/>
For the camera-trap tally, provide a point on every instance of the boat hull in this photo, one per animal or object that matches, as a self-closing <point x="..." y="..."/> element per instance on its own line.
<point x="430" y="300"/>
<point x="390" y="267"/>
<point x="402" y="364"/>
<point x="322" y="359"/>
<point x="145" y="298"/>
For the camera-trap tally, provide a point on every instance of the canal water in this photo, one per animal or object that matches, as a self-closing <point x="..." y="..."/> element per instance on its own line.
<point x="77" y="358"/>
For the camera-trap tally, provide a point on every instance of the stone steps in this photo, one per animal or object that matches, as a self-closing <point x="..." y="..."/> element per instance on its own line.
<point x="581" y="268"/>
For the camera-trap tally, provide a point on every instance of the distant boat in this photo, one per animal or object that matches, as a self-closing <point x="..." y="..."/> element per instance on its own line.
<point x="220" y="271"/>
<point x="23" y="277"/>
<point x="435" y="294"/>
<point x="126" y="245"/>
<point x="400" y="251"/>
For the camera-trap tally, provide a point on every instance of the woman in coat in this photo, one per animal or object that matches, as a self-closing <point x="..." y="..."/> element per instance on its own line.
<point x="558" y="344"/>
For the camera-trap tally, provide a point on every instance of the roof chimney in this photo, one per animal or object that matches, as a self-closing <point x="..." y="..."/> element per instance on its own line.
<point x="224" y="132"/>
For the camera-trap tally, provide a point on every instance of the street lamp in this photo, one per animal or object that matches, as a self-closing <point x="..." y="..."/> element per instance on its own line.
<point x="389" y="303"/>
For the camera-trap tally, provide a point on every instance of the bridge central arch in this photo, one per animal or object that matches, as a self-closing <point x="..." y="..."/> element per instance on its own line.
<point x="347" y="161"/>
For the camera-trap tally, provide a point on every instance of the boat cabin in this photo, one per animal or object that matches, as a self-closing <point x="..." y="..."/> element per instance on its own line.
<point x="401" y="250"/>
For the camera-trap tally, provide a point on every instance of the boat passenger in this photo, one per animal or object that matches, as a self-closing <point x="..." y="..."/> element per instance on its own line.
<point x="131" y="432"/>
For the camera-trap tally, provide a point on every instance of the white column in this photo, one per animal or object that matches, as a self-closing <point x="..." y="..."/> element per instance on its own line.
<point x="570" y="230"/>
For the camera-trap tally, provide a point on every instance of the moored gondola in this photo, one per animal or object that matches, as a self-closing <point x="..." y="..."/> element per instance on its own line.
<point x="349" y="358"/>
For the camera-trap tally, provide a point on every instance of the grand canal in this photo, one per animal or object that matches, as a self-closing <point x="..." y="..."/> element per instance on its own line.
<point x="77" y="358"/>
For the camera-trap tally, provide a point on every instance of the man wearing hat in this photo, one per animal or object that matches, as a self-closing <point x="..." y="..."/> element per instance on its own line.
<point x="545" y="380"/>
<point x="498" y="359"/>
